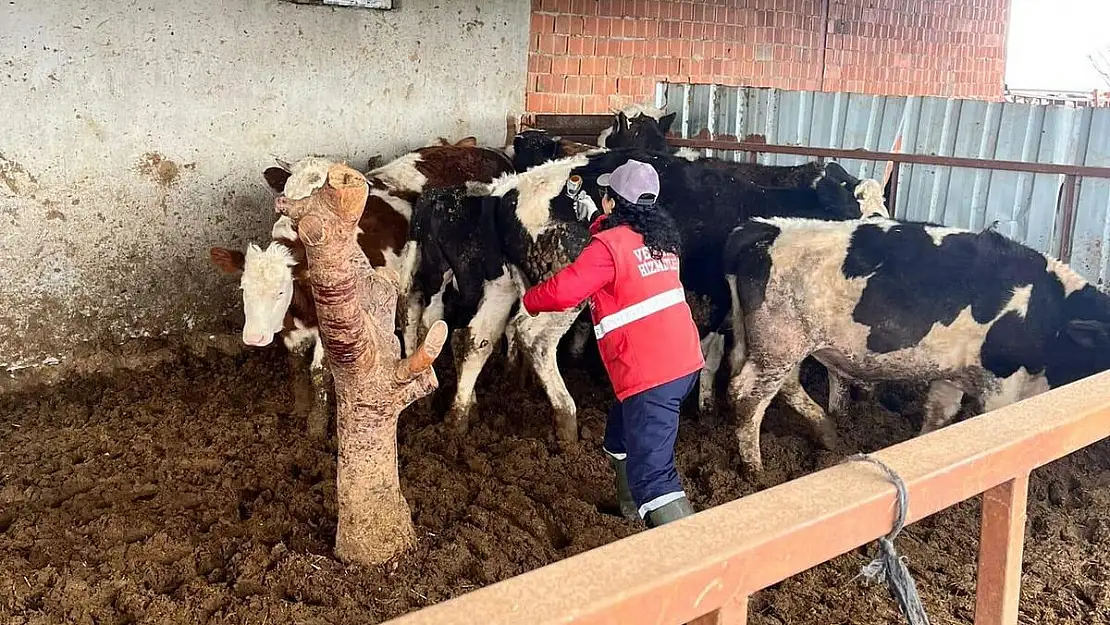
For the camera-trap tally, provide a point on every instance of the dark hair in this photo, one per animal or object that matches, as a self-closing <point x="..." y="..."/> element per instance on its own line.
<point x="651" y="222"/>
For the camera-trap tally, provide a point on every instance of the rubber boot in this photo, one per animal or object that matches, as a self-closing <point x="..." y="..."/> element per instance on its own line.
<point x="673" y="511"/>
<point x="624" y="494"/>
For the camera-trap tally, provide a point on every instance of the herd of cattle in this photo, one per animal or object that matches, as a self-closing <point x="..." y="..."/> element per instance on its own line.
<point x="789" y="263"/>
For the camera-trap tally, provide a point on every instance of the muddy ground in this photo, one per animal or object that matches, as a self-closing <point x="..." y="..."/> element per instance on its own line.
<point x="190" y="495"/>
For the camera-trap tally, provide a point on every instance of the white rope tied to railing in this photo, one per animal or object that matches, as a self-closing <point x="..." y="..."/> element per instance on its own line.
<point x="887" y="563"/>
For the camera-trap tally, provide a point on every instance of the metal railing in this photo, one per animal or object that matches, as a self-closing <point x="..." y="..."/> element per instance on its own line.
<point x="586" y="127"/>
<point x="1068" y="195"/>
<point x="703" y="569"/>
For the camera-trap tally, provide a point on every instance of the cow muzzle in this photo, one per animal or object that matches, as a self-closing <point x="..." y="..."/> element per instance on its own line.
<point x="257" y="340"/>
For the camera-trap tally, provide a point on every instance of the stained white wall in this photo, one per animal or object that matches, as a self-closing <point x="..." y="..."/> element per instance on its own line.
<point x="133" y="136"/>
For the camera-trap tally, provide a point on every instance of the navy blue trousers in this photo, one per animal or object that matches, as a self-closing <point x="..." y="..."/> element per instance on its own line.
<point x="642" y="430"/>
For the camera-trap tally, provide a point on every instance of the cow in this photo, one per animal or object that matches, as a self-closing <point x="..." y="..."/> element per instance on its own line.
<point x="638" y="126"/>
<point x="647" y="127"/>
<point x="876" y="299"/>
<point x="277" y="297"/>
<point x="642" y="126"/>
<point x="534" y="146"/>
<point x="647" y="130"/>
<point x="465" y="251"/>
<point x="701" y="195"/>
<point x="529" y="230"/>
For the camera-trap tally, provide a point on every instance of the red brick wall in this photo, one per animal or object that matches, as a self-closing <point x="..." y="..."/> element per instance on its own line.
<point x="590" y="56"/>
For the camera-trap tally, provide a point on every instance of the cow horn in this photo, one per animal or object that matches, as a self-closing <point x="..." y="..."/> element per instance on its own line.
<point x="284" y="164"/>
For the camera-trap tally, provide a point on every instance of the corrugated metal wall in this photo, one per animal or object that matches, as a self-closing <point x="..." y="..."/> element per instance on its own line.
<point x="1024" y="205"/>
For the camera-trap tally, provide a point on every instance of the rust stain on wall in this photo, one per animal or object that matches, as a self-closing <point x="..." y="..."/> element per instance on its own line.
<point x="164" y="171"/>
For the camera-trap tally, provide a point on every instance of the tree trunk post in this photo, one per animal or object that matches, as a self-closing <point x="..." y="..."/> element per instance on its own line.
<point x="356" y="306"/>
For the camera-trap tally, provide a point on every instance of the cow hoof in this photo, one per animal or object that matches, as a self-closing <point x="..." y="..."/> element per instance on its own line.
<point x="458" y="419"/>
<point x="567" y="433"/>
<point x="831" y="442"/>
<point x="707" y="414"/>
<point x="752" y="466"/>
<point x="424" y="404"/>
<point x="319" y="417"/>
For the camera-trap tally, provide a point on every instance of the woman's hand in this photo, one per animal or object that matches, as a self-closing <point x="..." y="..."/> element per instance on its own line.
<point x="585" y="207"/>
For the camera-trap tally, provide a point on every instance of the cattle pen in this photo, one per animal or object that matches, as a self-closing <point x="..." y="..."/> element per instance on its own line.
<point x="265" y="356"/>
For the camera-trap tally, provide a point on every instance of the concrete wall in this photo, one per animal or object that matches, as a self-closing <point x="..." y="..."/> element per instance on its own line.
<point x="591" y="56"/>
<point x="133" y="136"/>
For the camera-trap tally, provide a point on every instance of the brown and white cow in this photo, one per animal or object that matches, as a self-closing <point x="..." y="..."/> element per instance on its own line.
<point x="277" y="298"/>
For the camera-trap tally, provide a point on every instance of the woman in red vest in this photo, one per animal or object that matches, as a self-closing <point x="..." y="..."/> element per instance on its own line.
<point x="646" y="336"/>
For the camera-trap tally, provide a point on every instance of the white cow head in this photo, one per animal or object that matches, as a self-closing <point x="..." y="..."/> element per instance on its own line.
<point x="267" y="274"/>
<point x="267" y="286"/>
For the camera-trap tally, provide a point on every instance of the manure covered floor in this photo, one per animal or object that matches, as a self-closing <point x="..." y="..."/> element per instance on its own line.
<point x="188" y="494"/>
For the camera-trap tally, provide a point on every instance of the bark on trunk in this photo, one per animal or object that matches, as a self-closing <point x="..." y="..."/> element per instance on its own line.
<point x="356" y="306"/>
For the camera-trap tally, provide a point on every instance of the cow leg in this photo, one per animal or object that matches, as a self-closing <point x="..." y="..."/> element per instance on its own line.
<point x="799" y="400"/>
<point x="412" y="324"/>
<point x="941" y="405"/>
<point x="473" y="345"/>
<point x="751" y="391"/>
<point x="838" y="394"/>
<point x="406" y="264"/>
<point x="310" y="397"/>
<point x="302" y="384"/>
<point x="514" y="359"/>
<point x="420" y="319"/>
<point x="318" y="416"/>
<point x="582" y="329"/>
<point x="539" y="339"/>
<point x="713" y="349"/>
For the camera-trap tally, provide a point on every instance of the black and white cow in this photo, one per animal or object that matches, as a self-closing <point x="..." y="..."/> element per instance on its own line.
<point x="643" y="126"/>
<point x="476" y="254"/>
<point x="875" y="299"/>
<point x="535" y="146"/>
<point x="646" y="127"/>
<point x="531" y="231"/>
<point x="532" y="147"/>
<point x="702" y="196"/>
<point x="640" y="126"/>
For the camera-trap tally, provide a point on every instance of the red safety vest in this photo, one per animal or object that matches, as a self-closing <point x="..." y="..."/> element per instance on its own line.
<point x="644" y="329"/>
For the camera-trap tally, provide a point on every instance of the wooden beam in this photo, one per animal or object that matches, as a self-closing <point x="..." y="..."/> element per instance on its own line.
<point x="735" y="612"/>
<point x="1001" y="541"/>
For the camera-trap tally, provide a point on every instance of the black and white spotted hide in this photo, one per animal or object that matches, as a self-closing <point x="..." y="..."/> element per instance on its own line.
<point x="875" y="299"/>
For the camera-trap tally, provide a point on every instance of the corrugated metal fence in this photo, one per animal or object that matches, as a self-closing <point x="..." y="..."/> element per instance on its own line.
<point x="1025" y="205"/>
